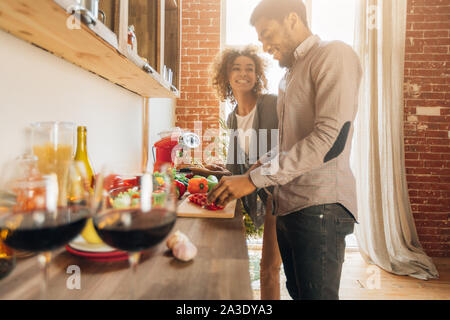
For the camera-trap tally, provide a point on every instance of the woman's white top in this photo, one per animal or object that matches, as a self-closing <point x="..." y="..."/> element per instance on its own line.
<point x="245" y="124"/>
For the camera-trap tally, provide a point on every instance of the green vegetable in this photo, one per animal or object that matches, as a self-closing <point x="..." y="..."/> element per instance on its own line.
<point x="212" y="182"/>
<point x="157" y="174"/>
<point x="127" y="199"/>
<point x="197" y="176"/>
<point x="159" y="198"/>
<point x="182" y="178"/>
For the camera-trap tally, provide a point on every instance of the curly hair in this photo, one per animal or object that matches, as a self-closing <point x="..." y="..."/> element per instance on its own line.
<point x="221" y="67"/>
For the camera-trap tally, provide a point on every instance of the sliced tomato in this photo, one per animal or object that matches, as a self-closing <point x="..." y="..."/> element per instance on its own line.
<point x="214" y="207"/>
<point x="200" y="199"/>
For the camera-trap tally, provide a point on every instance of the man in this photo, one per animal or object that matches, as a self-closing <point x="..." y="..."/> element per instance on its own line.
<point x="315" y="196"/>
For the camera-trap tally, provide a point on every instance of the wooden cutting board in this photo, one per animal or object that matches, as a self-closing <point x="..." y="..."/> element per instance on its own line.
<point x="188" y="209"/>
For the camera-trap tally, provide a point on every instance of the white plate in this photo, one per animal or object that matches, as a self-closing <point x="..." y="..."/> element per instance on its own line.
<point x="82" y="245"/>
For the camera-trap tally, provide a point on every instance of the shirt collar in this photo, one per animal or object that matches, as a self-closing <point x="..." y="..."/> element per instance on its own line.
<point x="305" y="46"/>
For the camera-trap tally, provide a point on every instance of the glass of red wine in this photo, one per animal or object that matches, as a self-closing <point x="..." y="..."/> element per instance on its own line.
<point x="136" y="211"/>
<point x="41" y="212"/>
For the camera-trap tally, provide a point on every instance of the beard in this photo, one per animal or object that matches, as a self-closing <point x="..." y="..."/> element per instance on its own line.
<point x="287" y="57"/>
<point x="287" y="60"/>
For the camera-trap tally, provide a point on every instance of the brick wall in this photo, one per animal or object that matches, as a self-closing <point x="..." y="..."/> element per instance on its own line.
<point x="427" y="121"/>
<point x="200" y="43"/>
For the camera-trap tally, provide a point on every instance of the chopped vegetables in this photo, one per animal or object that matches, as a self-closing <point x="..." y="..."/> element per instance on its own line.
<point x="131" y="198"/>
<point x="159" y="198"/>
<point x="200" y="200"/>
<point x="213" y="207"/>
<point x="127" y="199"/>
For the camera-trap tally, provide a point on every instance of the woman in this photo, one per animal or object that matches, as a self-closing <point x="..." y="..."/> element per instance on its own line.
<point x="239" y="76"/>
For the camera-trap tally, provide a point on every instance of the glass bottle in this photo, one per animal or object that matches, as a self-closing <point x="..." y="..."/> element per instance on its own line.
<point x="88" y="233"/>
<point x="82" y="155"/>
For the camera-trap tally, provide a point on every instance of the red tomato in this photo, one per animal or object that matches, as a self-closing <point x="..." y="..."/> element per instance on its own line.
<point x="200" y="200"/>
<point x="213" y="207"/>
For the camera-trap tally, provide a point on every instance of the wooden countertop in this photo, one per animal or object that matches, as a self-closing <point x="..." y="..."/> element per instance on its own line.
<point x="219" y="271"/>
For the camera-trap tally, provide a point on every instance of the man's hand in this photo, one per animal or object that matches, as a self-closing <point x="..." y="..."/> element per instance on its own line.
<point x="230" y="188"/>
<point x="208" y="170"/>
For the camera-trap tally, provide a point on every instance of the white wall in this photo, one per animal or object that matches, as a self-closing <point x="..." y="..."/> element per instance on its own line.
<point x="38" y="86"/>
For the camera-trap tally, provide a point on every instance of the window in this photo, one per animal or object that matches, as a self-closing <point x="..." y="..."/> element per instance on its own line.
<point x="333" y="20"/>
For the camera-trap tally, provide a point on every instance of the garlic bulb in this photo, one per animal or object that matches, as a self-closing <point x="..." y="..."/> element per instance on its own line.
<point x="178" y="236"/>
<point x="182" y="248"/>
<point x="184" y="251"/>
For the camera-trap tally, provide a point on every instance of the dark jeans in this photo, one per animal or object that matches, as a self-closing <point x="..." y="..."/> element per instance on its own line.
<point x="312" y="246"/>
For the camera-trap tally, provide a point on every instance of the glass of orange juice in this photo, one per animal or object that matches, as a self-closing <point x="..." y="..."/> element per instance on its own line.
<point x="53" y="144"/>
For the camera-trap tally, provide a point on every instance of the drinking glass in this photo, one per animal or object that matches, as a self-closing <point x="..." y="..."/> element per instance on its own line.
<point x="136" y="211"/>
<point x="42" y="212"/>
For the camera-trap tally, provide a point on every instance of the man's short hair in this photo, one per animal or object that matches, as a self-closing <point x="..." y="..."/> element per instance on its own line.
<point x="278" y="10"/>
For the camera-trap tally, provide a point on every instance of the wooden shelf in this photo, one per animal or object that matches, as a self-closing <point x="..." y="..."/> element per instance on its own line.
<point x="44" y="24"/>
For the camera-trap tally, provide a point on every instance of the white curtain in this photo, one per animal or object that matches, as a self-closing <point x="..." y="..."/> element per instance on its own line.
<point x="386" y="232"/>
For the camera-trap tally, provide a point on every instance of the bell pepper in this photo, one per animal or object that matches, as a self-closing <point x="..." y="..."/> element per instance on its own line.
<point x="198" y="185"/>
<point x="212" y="181"/>
<point x="160" y="180"/>
<point x="181" y="188"/>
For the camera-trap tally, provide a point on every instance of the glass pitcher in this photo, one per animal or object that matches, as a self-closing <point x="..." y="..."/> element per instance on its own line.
<point x="53" y="144"/>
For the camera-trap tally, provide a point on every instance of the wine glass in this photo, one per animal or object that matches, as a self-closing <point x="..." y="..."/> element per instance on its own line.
<point x="136" y="211"/>
<point x="42" y="212"/>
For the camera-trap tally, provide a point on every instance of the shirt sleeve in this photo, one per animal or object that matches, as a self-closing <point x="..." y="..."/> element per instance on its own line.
<point x="336" y="74"/>
<point x="267" y="157"/>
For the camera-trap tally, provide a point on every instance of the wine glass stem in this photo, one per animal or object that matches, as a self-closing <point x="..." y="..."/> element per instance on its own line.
<point x="44" y="262"/>
<point x="133" y="259"/>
